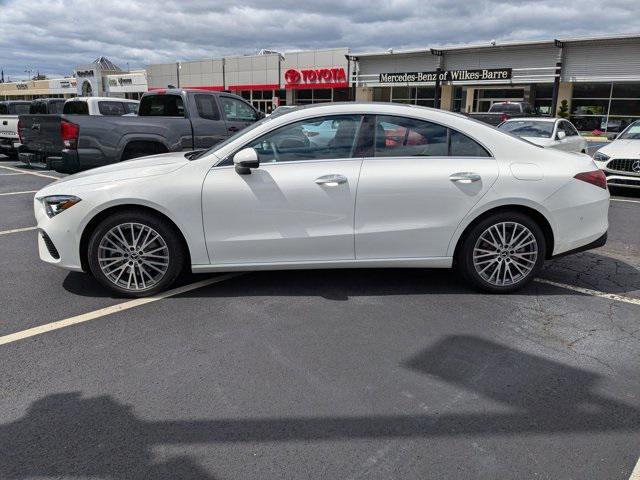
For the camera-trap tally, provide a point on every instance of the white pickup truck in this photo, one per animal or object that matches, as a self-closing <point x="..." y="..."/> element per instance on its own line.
<point x="9" y="112"/>
<point x="110" y="106"/>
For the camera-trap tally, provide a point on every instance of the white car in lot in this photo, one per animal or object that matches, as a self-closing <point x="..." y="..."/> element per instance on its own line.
<point x="547" y="132"/>
<point x="397" y="186"/>
<point x="620" y="159"/>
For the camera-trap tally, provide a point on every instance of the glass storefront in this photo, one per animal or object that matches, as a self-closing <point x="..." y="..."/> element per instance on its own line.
<point x="263" y="100"/>
<point x="423" y="96"/>
<point x="608" y="107"/>
<point x="306" y="96"/>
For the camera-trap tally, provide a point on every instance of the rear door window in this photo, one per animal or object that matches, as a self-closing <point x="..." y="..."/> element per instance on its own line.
<point x="161" y="106"/>
<point x="407" y="137"/>
<point x="76" y="108"/>
<point x="114" y="109"/>
<point x="207" y="107"/>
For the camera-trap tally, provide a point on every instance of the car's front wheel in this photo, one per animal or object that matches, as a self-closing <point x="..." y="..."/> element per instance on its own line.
<point x="135" y="253"/>
<point x="503" y="252"/>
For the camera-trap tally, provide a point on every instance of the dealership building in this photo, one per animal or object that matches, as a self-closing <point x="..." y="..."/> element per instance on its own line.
<point x="599" y="78"/>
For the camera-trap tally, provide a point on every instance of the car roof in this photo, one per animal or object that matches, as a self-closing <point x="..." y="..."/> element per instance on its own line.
<point x="111" y="99"/>
<point x="533" y="119"/>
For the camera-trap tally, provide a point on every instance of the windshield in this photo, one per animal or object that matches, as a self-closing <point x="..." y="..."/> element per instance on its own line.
<point x="523" y="128"/>
<point x="632" y="132"/>
<point x="231" y="138"/>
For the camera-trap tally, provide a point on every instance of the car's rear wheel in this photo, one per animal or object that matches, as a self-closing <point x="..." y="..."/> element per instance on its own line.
<point x="503" y="252"/>
<point x="135" y="253"/>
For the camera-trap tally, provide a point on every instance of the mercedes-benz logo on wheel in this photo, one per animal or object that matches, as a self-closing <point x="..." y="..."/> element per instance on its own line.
<point x="636" y="166"/>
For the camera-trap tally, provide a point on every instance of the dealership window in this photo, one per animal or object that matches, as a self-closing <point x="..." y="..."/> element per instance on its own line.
<point x="605" y="106"/>
<point x="483" y="98"/>
<point x="306" y="96"/>
<point x="543" y="99"/>
<point x="459" y="99"/>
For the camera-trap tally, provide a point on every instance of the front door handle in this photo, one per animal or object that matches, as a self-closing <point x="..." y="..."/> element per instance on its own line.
<point x="233" y="128"/>
<point x="331" y="180"/>
<point x="465" y="177"/>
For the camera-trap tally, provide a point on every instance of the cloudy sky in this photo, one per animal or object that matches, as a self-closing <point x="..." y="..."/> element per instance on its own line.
<point x="53" y="36"/>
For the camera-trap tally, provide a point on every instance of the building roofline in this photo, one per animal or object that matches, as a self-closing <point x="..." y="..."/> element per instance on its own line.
<point x="481" y="46"/>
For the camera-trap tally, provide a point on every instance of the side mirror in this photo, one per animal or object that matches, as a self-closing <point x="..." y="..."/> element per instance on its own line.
<point x="561" y="135"/>
<point x="612" y="136"/>
<point x="245" y="160"/>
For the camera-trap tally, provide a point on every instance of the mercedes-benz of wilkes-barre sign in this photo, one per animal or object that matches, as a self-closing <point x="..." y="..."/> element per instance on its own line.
<point x="447" y="76"/>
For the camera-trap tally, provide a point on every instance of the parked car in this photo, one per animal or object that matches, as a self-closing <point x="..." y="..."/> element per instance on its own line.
<point x="459" y="194"/>
<point x="46" y="106"/>
<point x="41" y="138"/>
<point x="501" y="111"/>
<point x="620" y="159"/>
<point x="167" y="121"/>
<point x="110" y="106"/>
<point x="9" y="112"/>
<point x="547" y="132"/>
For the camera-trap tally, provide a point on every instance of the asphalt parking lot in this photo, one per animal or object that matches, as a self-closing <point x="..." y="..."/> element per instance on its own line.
<point x="377" y="374"/>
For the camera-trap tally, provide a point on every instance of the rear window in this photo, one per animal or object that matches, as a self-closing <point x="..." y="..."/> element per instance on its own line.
<point x="56" y="107"/>
<point x="18" y="109"/>
<point x="161" y="106"/>
<point x="114" y="109"/>
<point x="505" y="108"/>
<point x="76" y="108"/>
<point x="132" y="107"/>
<point x="38" y="108"/>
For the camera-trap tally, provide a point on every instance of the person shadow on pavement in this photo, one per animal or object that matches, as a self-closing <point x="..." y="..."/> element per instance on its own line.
<point x="69" y="435"/>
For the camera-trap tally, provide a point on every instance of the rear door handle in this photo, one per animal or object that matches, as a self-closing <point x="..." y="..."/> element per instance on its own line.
<point x="465" y="177"/>
<point x="331" y="180"/>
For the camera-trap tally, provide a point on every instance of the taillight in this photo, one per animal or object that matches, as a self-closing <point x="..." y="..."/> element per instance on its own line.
<point x="69" y="133"/>
<point x="19" y="128"/>
<point x="595" y="177"/>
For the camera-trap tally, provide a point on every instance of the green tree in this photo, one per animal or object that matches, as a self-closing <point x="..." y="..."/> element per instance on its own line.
<point x="563" y="111"/>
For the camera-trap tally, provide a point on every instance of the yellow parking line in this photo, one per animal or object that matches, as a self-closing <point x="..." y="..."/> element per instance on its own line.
<point x="11" y="174"/>
<point x="593" y="293"/>
<point x="18" y="193"/>
<point x="30" y="173"/>
<point x="17" y="230"/>
<point x="120" y="307"/>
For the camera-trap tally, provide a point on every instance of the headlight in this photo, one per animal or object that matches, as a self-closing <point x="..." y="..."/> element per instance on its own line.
<point x="56" y="204"/>
<point x="600" y="157"/>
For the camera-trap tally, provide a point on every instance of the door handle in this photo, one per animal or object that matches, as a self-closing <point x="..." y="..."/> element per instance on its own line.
<point x="233" y="129"/>
<point x="331" y="180"/>
<point x="465" y="177"/>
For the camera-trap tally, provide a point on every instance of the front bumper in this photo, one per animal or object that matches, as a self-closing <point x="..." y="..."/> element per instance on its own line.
<point x="59" y="235"/>
<point x="618" y="180"/>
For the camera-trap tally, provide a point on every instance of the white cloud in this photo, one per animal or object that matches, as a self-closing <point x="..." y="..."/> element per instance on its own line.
<point x="54" y="35"/>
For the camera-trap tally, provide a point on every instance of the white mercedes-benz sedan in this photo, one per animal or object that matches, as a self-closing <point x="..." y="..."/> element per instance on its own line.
<point x="547" y="132"/>
<point x="620" y="159"/>
<point x="394" y="186"/>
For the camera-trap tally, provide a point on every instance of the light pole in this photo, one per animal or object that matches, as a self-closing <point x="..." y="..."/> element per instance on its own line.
<point x="28" y="70"/>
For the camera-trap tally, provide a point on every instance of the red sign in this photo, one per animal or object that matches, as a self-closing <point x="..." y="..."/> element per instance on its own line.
<point x="316" y="78"/>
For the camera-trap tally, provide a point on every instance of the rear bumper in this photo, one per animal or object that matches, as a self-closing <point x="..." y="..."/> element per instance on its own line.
<point x="599" y="242"/>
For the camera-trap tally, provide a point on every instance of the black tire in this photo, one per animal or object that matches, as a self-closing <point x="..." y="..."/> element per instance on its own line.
<point x="171" y="239"/>
<point x="465" y="256"/>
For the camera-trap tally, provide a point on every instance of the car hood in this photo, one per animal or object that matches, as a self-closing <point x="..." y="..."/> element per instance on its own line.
<point x="136" y="168"/>
<point x="543" y="142"/>
<point x="622" y="149"/>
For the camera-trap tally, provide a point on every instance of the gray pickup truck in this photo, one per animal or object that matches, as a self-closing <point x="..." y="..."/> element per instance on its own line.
<point x="170" y="120"/>
<point x="501" y="111"/>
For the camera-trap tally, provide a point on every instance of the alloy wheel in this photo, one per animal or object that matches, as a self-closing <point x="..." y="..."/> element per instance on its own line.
<point x="505" y="254"/>
<point x="133" y="256"/>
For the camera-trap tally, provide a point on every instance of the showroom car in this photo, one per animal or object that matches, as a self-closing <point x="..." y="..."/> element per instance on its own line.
<point x="620" y="159"/>
<point x="396" y="186"/>
<point x="547" y="132"/>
